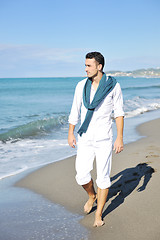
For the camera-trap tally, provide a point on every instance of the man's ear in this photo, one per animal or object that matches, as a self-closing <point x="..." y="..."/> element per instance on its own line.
<point x="100" y="67"/>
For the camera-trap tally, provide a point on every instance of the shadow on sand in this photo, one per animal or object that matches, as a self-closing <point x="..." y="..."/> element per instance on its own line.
<point x="127" y="181"/>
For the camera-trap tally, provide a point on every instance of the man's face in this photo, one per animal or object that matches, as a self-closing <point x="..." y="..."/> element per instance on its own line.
<point x="92" y="67"/>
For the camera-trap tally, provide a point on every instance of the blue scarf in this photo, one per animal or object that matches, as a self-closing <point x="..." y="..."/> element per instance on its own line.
<point x="104" y="88"/>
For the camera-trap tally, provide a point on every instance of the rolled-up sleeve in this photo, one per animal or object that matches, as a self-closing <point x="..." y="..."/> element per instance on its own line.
<point x="76" y="106"/>
<point x="117" y="101"/>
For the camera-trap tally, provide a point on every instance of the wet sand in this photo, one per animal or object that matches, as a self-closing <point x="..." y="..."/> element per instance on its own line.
<point x="132" y="210"/>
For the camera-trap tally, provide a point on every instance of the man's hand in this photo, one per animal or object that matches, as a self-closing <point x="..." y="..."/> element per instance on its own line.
<point x="118" y="145"/>
<point x="71" y="137"/>
<point x="71" y="140"/>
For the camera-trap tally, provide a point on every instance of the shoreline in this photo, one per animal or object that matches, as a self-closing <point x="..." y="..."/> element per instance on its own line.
<point x="130" y="135"/>
<point x="128" y="213"/>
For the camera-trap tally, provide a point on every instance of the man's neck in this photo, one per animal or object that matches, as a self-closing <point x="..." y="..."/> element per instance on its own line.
<point x="96" y="79"/>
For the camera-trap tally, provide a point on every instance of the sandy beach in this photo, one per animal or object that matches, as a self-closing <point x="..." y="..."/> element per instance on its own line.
<point x="132" y="209"/>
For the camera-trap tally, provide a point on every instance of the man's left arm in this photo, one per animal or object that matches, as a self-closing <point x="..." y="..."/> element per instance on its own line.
<point x="119" y="117"/>
<point x="118" y="145"/>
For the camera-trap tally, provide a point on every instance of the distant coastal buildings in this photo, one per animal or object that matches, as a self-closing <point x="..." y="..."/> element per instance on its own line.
<point x="149" y="72"/>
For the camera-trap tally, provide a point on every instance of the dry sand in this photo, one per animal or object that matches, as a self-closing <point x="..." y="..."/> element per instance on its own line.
<point x="133" y="207"/>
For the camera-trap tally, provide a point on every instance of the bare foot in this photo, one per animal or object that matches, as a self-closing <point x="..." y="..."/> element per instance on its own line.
<point x="98" y="221"/>
<point x="89" y="204"/>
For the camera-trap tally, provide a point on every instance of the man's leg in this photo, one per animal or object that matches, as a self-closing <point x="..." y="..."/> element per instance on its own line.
<point x="84" y="165"/>
<point x="103" y="160"/>
<point x="89" y="188"/>
<point x="101" y="200"/>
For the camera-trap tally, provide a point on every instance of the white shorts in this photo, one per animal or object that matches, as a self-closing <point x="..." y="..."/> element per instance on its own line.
<point x="86" y="152"/>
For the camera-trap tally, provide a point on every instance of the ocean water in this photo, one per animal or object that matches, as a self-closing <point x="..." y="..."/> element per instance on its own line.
<point x="34" y="117"/>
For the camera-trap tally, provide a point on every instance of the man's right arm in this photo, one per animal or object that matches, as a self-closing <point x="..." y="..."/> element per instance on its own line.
<point x="71" y="137"/>
<point x="74" y="115"/>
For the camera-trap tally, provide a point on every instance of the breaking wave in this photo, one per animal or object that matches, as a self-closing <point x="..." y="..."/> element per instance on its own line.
<point x="137" y="106"/>
<point x="34" y="128"/>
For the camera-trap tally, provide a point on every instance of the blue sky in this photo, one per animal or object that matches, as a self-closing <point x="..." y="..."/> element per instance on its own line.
<point x="47" y="38"/>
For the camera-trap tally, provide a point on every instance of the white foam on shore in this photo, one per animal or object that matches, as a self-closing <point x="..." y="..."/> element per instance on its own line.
<point x="13" y="173"/>
<point x="25" y="154"/>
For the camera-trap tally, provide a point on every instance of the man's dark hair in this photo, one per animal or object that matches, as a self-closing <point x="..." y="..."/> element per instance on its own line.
<point x="97" y="56"/>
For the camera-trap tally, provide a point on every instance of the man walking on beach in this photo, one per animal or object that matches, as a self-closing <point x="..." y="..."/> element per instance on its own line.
<point x="94" y="100"/>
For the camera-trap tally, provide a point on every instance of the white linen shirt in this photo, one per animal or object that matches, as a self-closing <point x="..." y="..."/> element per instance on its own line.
<point x="100" y="126"/>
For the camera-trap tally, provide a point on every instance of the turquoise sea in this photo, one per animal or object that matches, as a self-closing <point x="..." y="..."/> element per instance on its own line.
<point x="34" y="117"/>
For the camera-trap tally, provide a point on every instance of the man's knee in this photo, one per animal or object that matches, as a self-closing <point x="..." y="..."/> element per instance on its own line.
<point x="83" y="179"/>
<point x="103" y="183"/>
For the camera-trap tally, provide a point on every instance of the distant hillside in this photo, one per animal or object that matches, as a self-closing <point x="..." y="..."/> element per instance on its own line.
<point x="149" y="72"/>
